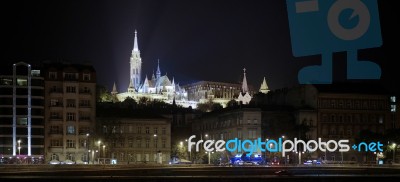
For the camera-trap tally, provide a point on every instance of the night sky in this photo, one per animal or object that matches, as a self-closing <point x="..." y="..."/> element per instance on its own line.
<point x="194" y="40"/>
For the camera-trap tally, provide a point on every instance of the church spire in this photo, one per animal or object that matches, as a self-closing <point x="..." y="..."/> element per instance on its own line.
<point x="114" y="90"/>
<point x="244" y="83"/>
<point x="135" y="44"/>
<point x="135" y="65"/>
<point x="158" y="72"/>
<point x="264" y="87"/>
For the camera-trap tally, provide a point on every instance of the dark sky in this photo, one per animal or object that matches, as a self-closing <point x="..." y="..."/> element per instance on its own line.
<point x="194" y="40"/>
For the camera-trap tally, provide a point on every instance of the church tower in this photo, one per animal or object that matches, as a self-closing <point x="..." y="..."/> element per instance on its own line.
<point x="264" y="87"/>
<point x="244" y="96"/>
<point x="136" y="65"/>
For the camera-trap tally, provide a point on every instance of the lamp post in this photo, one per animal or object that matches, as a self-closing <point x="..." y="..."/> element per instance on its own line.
<point x="104" y="150"/>
<point x="284" y="157"/>
<point x="190" y="153"/>
<point x="155" y="143"/>
<point x="87" y="147"/>
<point x="99" y="154"/>
<point x="19" y="147"/>
<point x="209" y="156"/>
<point x="394" y="152"/>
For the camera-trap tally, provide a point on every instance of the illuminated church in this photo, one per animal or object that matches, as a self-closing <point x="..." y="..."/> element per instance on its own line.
<point x="158" y="87"/>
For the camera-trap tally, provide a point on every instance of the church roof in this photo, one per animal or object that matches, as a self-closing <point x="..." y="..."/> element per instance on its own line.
<point x="163" y="81"/>
<point x="264" y="87"/>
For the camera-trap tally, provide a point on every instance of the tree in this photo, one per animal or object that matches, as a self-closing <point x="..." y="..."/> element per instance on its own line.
<point x="102" y="94"/>
<point x="232" y="104"/>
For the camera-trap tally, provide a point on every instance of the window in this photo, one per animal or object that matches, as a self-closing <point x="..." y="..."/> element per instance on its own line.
<point x="70" y="116"/>
<point x="155" y="130"/>
<point x="248" y="121"/>
<point x="70" y="76"/>
<point x="239" y="134"/>
<point x="86" y="90"/>
<point x="121" y="142"/>
<point x="86" y="77"/>
<point x="70" y="130"/>
<point x="55" y="143"/>
<point x="54" y="102"/>
<point x="55" y="115"/>
<point x="138" y="157"/>
<point x="55" y="130"/>
<point x="147" y="143"/>
<point x="71" y="89"/>
<point x="53" y="75"/>
<point x="54" y="157"/>
<point x="139" y="129"/>
<point x="163" y="131"/>
<point x="255" y="121"/>
<point x="121" y="156"/>
<point x="164" y="143"/>
<point x="22" y="121"/>
<point x="380" y="120"/>
<point x="155" y="143"/>
<point x="393" y="99"/>
<point x="70" y="143"/>
<point x="252" y="133"/>
<point x="130" y="142"/>
<point x="84" y="103"/>
<point x="70" y="102"/>
<point x="22" y="82"/>
<point x="147" y="157"/>
<point x="139" y="144"/>
<point x="147" y="130"/>
<point x="392" y="108"/>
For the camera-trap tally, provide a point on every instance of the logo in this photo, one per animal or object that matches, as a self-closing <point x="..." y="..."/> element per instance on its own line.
<point x="281" y="145"/>
<point x="328" y="26"/>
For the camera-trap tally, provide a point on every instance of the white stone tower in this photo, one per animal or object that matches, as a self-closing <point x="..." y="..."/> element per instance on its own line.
<point x="136" y="65"/>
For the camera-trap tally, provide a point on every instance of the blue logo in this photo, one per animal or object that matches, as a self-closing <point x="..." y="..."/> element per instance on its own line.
<point x="328" y="26"/>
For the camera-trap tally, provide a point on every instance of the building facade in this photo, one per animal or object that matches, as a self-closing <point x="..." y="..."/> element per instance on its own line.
<point x="22" y="113"/>
<point x="135" y="140"/>
<point x="243" y="124"/>
<point x="70" y="102"/>
<point x="339" y="111"/>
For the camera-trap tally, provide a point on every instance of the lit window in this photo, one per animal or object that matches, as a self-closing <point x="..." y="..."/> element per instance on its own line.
<point x="393" y="99"/>
<point x="392" y="108"/>
<point x="70" y="130"/>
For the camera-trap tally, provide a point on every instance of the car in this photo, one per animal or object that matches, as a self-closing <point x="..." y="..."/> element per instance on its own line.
<point x="308" y="162"/>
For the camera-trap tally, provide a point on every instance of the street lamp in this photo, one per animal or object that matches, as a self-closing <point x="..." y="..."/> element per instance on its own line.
<point x="104" y="150"/>
<point x="99" y="154"/>
<point x="19" y="147"/>
<point x="209" y="157"/>
<point x="87" y="147"/>
<point x="300" y="156"/>
<point x="155" y="143"/>
<point x="394" y="152"/>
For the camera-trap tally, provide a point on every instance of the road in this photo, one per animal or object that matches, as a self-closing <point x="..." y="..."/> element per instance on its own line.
<point x="195" y="173"/>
